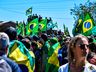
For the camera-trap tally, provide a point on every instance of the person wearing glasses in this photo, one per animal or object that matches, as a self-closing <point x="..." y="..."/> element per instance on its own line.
<point x="77" y="53"/>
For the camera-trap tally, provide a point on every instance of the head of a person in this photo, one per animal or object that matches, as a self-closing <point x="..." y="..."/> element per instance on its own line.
<point x="26" y="42"/>
<point x="11" y="32"/>
<point x="67" y="40"/>
<point x="34" y="46"/>
<point x="92" y="54"/>
<point x="78" y="48"/>
<point x="44" y="37"/>
<point x="35" y="38"/>
<point x="4" y="43"/>
<point x="92" y="47"/>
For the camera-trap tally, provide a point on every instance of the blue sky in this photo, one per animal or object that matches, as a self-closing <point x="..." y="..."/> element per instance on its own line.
<point x="59" y="10"/>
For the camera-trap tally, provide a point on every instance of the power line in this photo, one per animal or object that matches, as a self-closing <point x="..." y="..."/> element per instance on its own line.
<point x="14" y="11"/>
<point x="5" y="9"/>
<point x="12" y="3"/>
<point x="46" y="8"/>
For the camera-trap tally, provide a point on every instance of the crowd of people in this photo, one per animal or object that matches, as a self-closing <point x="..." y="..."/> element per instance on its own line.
<point x="73" y="54"/>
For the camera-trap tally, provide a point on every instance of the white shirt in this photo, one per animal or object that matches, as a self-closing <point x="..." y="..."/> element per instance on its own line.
<point x="88" y="68"/>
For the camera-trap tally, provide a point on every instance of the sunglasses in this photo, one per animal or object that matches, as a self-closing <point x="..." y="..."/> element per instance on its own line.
<point x="82" y="46"/>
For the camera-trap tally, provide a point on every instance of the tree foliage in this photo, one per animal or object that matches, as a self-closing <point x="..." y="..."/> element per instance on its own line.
<point x="76" y="11"/>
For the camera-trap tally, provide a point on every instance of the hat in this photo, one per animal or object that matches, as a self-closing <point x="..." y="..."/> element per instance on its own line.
<point x="4" y="40"/>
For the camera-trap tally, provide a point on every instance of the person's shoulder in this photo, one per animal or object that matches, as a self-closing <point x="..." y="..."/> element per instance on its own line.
<point x="12" y="64"/>
<point x="90" y="67"/>
<point x="63" y="68"/>
<point x="4" y="66"/>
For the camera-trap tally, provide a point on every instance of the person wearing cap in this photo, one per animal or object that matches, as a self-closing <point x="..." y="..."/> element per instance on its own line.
<point x="4" y="43"/>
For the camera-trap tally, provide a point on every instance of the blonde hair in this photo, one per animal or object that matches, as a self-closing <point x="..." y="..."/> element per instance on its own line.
<point x="72" y="45"/>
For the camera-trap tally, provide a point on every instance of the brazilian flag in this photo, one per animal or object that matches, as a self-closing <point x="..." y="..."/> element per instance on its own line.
<point x="32" y="27"/>
<point x="19" y="28"/>
<point x="21" y="55"/>
<point x="94" y="31"/>
<point x="29" y="11"/>
<point x="87" y="24"/>
<point x="78" y="27"/>
<point x="53" y="62"/>
<point x="43" y="25"/>
<point x="22" y="29"/>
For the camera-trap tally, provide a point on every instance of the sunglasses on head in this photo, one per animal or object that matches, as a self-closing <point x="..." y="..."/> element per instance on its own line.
<point x="82" y="46"/>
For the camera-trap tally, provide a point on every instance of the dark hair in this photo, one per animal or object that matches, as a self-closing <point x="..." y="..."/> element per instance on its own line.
<point x="26" y="42"/>
<point x="20" y="37"/>
<point x="90" y="39"/>
<point x="44" y="37"/>
<point x="23" y="68"/>
<point x="11" y="32"/>
<point x="36" y="38"/>
<point x="92" y="47"/>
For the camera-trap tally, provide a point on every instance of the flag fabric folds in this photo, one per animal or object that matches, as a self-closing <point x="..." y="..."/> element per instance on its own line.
<point x="20" y="28"/>
<point x="78" y="27"/>
<point x="32" y="27"/>
<point x="43" y="25"/>
<point x="29" y="11"/>
<point x="53" y="62"/>
<point x="94" y="30"/>
<point x="87" y="24"/>
<point x="21" y="55"/>
<point x="49" y="25"/>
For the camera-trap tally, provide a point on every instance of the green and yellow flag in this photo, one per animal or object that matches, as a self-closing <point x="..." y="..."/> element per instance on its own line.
<point x="53" y="62"/>
<point x="78" y="27"/>
<point x="43" y="25"/>
<point x="18" y="28"/>
<point x="29" y="11"/>
<point x="87" y="24"/>
<point x="32" y="27"/>
<point x="22" y="29"/>
<point x="21" y="55"/>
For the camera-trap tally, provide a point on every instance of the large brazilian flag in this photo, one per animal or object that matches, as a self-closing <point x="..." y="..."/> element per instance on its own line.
<point x="87" y="24"/>
<point x="21" y="55"/>
<point x="53" y="62"/>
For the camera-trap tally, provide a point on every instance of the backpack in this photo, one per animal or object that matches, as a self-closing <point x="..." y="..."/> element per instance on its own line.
<point x="4" y="66"/>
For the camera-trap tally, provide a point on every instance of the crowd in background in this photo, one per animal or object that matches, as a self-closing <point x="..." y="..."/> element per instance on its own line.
<point x="41" y="47"/>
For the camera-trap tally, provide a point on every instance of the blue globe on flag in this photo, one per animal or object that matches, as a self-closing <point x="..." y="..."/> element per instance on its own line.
<point x="87" y="25"/>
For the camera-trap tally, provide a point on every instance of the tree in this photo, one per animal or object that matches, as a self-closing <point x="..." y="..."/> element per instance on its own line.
<point x="82" y="9"/>
<point x="80" y="12"/>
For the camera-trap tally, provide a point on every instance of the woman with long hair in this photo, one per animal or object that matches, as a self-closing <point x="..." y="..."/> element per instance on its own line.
<point x="77" y="53"/>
